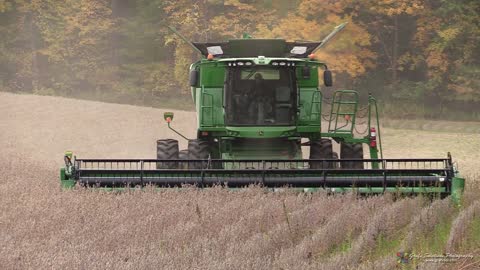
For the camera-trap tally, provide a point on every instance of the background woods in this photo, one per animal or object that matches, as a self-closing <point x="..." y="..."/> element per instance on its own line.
<point x="420" y="57"/>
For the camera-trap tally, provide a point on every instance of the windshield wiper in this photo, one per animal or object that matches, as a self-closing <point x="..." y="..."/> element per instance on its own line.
<point x="250" y="74"/>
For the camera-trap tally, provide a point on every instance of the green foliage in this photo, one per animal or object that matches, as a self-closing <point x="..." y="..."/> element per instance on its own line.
<point x="473" y="235"/>
<point x="387" y="245"/>
<point x="435" y="241"/>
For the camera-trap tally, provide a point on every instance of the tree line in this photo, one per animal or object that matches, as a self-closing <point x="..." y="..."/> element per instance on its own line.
<point x="420" y="57"/>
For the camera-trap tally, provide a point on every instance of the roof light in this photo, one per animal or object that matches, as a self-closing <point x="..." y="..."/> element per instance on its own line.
<point x="274" y="64"/>
<point x="215" y="50"/>
<point x="261" y="59"/>
<point x="282" y="63"/>
<point x="299" y="50"/>
<point x="248" y="63"/>
<point x="240" y="63"/>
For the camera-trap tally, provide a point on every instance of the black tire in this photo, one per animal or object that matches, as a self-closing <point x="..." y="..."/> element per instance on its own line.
<point x="351" y="151"/>
<point x="167" y="149"/>
<point x="198" y="149"/>
<point x="321" y="149"/>
<point x="183" y="155"/>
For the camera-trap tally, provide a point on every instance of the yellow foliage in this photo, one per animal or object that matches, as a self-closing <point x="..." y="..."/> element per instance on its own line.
<point x="4" y="6"/>
<point x="394" y="7"/>
<point x="347" y="52"/>
<point x="293" y="28"/>
<point x="449" y="33"/>
<point x="321" y="8"/>
<point x="239" y="5"/>
<point x="437" y="61"/>
<point x="409" y="61"/>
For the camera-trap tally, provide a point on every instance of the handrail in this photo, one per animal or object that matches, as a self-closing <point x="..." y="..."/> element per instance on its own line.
<point x="339" y="105"/>
<point x="373" y="102"/>
<point x="319" y="102"/>
<point x="203" y="107"/>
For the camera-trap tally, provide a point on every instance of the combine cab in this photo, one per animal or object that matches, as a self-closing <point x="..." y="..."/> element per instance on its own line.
<point x="259" y="105"/>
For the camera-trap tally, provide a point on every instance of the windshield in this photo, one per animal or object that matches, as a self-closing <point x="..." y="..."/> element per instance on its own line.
<point x="260" y="96"/>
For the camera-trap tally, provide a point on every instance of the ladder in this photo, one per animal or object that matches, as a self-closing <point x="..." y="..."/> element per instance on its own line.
<point x="343" y="111"/>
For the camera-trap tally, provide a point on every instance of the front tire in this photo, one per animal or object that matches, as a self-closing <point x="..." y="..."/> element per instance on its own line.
<point x="167" y="149"/>
<point x="198" y="149"/>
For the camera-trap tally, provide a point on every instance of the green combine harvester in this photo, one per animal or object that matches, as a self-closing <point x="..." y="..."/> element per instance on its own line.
<point x="258" y="102"/>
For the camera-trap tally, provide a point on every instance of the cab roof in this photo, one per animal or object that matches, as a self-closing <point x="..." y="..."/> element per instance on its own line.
<point x="237" y="48"/>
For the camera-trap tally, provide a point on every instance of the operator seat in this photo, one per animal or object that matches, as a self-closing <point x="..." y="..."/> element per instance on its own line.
<point x="283" y="105"/>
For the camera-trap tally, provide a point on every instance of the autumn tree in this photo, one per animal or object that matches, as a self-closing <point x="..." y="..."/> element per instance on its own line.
<point x="18" y="50"/>
<point x="384" y="20"/>
<point x="448" y="36"/>
<point x="413" y="52"/>
<point x="349" y="53"/>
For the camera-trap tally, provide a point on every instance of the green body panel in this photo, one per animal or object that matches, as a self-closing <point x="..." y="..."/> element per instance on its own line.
<point x="458" y="185"/>
<point x="310" y="108"/>
<point x="209" y="107"/>
<point x="311" y="82"/>
<point x="261" y="132"/>
<point x="65" y="181"/>
<point x="264" y="149"/>
<point x="212" y="75"/>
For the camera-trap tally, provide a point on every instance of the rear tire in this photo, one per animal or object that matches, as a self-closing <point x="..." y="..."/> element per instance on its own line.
<point x="351" y="151"/>
<point x="198" y="149"/>
<point x="321" y="149"/>
<point x="167" y="149"/>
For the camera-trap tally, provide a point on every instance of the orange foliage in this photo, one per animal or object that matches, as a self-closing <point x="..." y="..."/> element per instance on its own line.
<point x="349" y="51"/>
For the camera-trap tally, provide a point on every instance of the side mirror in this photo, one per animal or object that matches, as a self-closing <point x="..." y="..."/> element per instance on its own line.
<point x="327" y="78"/>
<point x="168" y="116"/>
<point x="194" y="76"/>
<point x="306" y="73"/>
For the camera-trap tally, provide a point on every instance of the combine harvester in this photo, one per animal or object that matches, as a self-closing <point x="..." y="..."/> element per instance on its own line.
<point x="258" y="102"/>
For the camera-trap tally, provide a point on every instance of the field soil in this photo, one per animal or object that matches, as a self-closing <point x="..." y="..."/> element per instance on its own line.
<point x="42" y="226"/>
